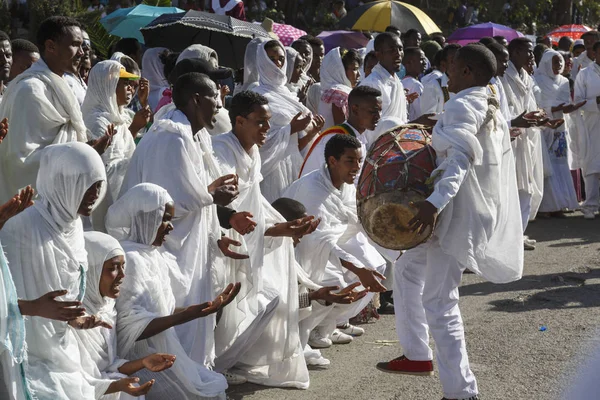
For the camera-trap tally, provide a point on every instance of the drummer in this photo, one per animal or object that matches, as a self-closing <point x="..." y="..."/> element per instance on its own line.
<point x="364" y="105"/>
<point x="337" y="253"/>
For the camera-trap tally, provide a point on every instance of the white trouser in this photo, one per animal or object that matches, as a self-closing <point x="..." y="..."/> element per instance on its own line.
<point x="525" y="203"/>
<point x="411" y="323"/>
<point x="592" y="192"/>
<point x="442" y="275"/>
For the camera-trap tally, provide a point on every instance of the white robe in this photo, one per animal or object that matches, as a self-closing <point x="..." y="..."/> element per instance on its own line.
<point x="392" y="92"/>
<point x="579" y="64"/>
<point x="587" y="87"/>
<point x="527" y="147"/>
<point x="153" y="70"/>
<point x="100" y="110"/>
<point x="414" y="86"/>
<point x="477" y="190"/>
<point x="186" y="176"/>
<point x="45" y="250"/>
<point x="53" y="116"/>
<point x="146" y="294"/>
<point x="276" y="358"/>
<point x="496" y="83"/>
<point x="432" y="99"/>
<point x="333" y="77"/>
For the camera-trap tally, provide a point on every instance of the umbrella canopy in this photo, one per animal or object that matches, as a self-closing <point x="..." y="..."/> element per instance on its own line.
<point x="473" y="33"/>
<point x="378" y="15"/>
<point x="572" y="31"/>
<point x="226" y="35"/>
<point x="345" y="39"/>
<point x="126" y="22"/>
<point x="287" y="33"/>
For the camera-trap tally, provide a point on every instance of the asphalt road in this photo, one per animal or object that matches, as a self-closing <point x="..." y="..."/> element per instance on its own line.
<point x="510" y="355"/>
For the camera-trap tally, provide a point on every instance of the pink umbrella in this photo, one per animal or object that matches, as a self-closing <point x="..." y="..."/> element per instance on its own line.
<point x="287" y="33"/>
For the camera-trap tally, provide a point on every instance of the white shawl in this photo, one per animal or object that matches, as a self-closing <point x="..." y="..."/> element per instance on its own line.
<point x="483" y="220"/>
<point x="333" y="77"/>
<point x="98" y="347"/>
<point x="553" y="88"/>
<point x="392" y="92"/>
<point x="153" y="70"/>
<point x="216" y="6"/>
<point x="100" y="109"/>
<point x="186" y="174"/>
<point x="42" y="110"/>
<point x="281" y="158"/>
<point x="146" y="294"/>
<point x="46" y="252"/>
<point x="527" y="148"/>
<point x="250" y="68"/>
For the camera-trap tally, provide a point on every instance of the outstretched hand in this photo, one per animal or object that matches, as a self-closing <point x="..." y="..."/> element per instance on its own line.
<point x="222" y="300"/>
<point x="101" y="144"/>
<point x="569" y="108"/>
<point x="242" y="222"/>
<point x="16" y="204"/>
<point x="294" y="229"/>
<point x="47" y="306"/>
<point x="224" y="189"/>
<point x="224" y="244"/>
<point x="300" y="122"/>
<point x="88" y="322"/>
<point x="158" y="362"/>
<point x="345" y="296"/>
<point x="128" y="385"/>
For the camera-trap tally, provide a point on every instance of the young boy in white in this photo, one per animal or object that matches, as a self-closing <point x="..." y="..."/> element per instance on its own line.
<point x="480" y="218"/>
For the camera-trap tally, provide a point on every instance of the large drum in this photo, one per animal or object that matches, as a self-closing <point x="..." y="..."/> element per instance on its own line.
<point x="395" y="175"/>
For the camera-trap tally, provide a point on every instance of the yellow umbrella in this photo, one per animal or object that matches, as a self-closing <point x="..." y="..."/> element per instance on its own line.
<point x="378" y="15"/>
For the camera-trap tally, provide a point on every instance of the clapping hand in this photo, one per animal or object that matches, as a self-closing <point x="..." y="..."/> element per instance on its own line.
<point x="300" y="122"/>
<point x="525" y="120"/>
<point x="224" y="244"/>
<point x="88" y="322"/>
<point x="345" y="296"/>
<point x="554" y="123"/>
<point x="242" y="222"/>
<point x="101" y="144"/>
<point x="569" y="108"/>
<point x="140" y="120"/>
<point x="224" y="189"/>
<point x="296" y="228"/>
<point x="127" y="385"/>
<point x="3" y="129"/>
<point x="411" y="97"/>
<point x="143" y="91"/>
<point x="158" y="362"/>
<point x="16" y="204"/>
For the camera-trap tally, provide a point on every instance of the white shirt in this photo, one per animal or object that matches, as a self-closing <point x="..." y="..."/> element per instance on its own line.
<point x="580" y="63"/>
<point x="432" y="99"/>
<point x="414" y="86"/>
<point x="392" y="92"/>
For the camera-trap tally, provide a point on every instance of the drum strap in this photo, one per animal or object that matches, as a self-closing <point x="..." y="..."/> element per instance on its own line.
<point x="493" y="90"/>
<point x="444" y="90"/>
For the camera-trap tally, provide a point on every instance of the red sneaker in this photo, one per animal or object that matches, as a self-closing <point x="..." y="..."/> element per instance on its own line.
<point x="403" y="365"/>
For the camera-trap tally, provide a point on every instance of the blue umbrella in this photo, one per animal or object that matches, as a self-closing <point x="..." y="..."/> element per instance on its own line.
<point x="126" y="22"/>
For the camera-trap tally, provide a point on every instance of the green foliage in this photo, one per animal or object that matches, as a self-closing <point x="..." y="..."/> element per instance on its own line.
<point x="157" y="3"/>
<point x="39" y="10"/>
<point x="100" y="38"/>
<point x="5" y="17"/>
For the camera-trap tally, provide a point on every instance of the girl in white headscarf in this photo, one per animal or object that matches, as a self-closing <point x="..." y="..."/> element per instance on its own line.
<point x="98" y="347"/>
<point x="153" y="70"/>
<point x="554" y="96"/>
<point x="45" y="250"/>
<point x="250" y="69"/>
<point x="292" y="126"/>
<point x="294" y="70"/>
<point x="339" y="75"/>
<point x="104" y="106"/>
<point x="146" y="314"/>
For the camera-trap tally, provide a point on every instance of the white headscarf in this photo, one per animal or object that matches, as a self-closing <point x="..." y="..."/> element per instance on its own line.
<point x="250" y="67"/>
<point x="153" y="70"/>
<point x="333" y="73"/>
<point x="198" y="51"/>
<point x="554" y="88"/>
<point x="216" y="6"/>
<point x="291" y="56"/>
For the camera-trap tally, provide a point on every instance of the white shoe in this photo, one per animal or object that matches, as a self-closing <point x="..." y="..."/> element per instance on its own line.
<point x="589" y="214"/>
<point x="351" y="330"/>
<point x="337" y="337"/>
<point x="234" y="379"/>
<point x="318" y="341"/>
<point x="527" y="240"/>
<point x="318" y="362"/>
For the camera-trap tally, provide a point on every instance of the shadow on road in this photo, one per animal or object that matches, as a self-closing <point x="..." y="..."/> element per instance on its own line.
<point x="571" y="227"/>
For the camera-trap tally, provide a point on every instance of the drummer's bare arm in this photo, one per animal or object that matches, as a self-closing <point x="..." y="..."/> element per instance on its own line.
<point x="368" y="278"/>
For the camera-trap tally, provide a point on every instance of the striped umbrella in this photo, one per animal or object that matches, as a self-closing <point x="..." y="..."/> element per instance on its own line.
<point x="572" y="31"/>
<point x="378" y="15"/>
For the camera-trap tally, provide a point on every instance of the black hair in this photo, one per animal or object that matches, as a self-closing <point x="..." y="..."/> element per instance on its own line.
<point x="169" y="59"/>
<point x="361" y="93"/>
<point x="351" y="56"/>
<point x="412" y="52"/>
<point x="392" y="29"/>
<point x="497" y="48"/>
<point x="271" y="44"/>
<point x="596" y="46"/>
<point x="565" y="40"/>
<point x="486" y="40"/>
<point x="437" y="37"/>
<point x="130" y="65"/>
<point x="53" y="28"/>
<point x="369" y="55"/>
<point x="517" y="44"/>
<point x="300" y="42"/>
<point x="437" y="59"/>
<point x="184" y="66"/>
<point x="189" y="84"/>
<point x="448" y="49"/>
<point x="313" y="41"/>
<point x="566" y="54"/>
<point x="22" y="45"/>
<point x="499" y="38"/>
<point x="127" y="46"/>
<point x="538" y="52"/>
<point x="384" y="38"/>
<point x="289" y="209"/>
<point x="411" y="32"/>
<point x="480" y="60"/>
<point x="243" y="104"/>
<point x="592" y="34"/>
<point x="338" y="144"/>
<point x="4" y="36"/>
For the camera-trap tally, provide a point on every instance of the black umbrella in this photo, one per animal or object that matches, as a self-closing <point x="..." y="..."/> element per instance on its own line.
<point x="226" y="35"/>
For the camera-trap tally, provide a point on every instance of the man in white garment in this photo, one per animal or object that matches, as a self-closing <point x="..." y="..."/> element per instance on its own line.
<point x="588" y="56"/>
<point x="190" y="178"/>
<point x="6" y="61"/>
<point x="587" y="88"/>
<point x="338" y="252"/>
<point x="24" y="55"/>
<point x="52" y="112"/>
<point x="389" y="51"/>
<point x="435" y="91"/>
<point x="527" y="147"/>
<point x="364" y="105"/>
<point x="414" y="62"/>
<point x="474" y="157"/>
<point x="495" y="86"/>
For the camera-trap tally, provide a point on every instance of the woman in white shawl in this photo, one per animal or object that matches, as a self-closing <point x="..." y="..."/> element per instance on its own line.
<point x="45" y="250"/>
<point x="294" y="70"/>
<point x="105" y="106"/>
<point x="153" y="70"/>
<point x="339" y="75"/>
<point x="554" y="97"/>
<point x="146" y="314"/>
<point x="98" y="347"/>
<point x="250" y="69"/>
<point x="292" y="126"/>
